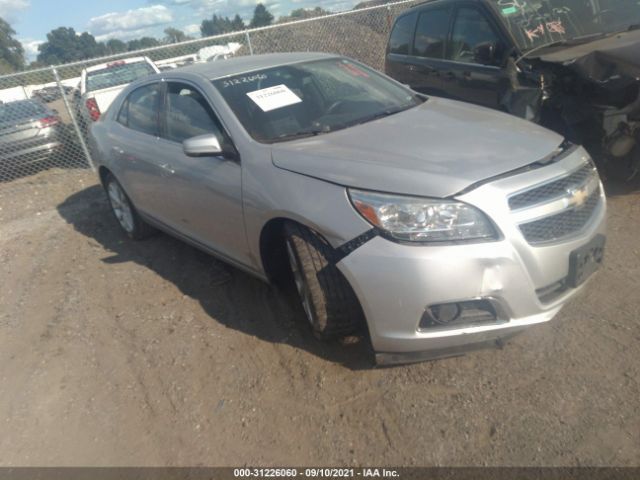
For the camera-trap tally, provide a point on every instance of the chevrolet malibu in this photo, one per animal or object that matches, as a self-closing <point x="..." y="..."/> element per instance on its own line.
<point x="439" y="226"/>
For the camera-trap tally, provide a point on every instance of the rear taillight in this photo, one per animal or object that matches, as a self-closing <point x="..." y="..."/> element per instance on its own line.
<point x="48" y="122"/>
<point x="94" y="110"/>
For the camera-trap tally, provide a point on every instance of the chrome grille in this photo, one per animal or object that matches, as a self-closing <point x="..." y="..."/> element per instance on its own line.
<point x="561" y="225"/>
<point x="552" y="190"/>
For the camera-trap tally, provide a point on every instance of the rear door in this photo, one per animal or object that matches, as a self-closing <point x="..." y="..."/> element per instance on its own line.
<point x="398" y="63"/>
<point x="203" y="194"/>
<point x="465" y="76"/>
<point x="135" y="150"/>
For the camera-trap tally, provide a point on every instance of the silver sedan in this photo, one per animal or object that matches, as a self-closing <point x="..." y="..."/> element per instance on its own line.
<point x="432" y="225"/>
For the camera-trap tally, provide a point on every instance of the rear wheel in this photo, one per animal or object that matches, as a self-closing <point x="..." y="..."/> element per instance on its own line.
<point x="329" y="303"/>
<point x="125" y="212"/>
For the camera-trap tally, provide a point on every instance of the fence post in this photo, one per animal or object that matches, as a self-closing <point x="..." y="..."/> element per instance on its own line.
<point x="83" y="144"/>
<point x="249" y="42"/>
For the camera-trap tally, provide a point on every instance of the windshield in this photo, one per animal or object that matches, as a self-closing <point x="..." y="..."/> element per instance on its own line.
<point x="117" y="74"/>
<point x="535" y="23"/>
<point x="311" y="98"/>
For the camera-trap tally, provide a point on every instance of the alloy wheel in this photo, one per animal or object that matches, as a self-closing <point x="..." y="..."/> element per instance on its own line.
<point x="121" y="206"/>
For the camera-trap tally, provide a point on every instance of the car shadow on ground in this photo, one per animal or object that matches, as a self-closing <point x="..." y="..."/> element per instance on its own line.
<point x="228" y="295"/>
<point x="617" y="188"/>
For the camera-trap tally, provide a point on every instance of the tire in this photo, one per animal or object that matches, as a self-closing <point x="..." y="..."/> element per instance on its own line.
<point x="124" y="211"/>
<point x="329" y="303"/>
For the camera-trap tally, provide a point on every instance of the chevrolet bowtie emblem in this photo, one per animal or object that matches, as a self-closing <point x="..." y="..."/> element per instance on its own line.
<point x="578" y="196"/>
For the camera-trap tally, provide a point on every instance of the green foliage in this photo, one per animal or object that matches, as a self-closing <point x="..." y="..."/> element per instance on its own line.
<point x="63" y="45"/>
<point x="11" y="51"/>
<point x="261" y="17"/>
<point x="173" y="35"/>
<point x="304" y="13"/>
<point x="221" y="25"/>
<point x="142" y="43"/>
<point x="115" y="46"/>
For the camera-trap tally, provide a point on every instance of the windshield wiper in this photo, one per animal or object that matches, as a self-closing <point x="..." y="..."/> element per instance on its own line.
<point x="385" y="113"/>
<point x="311" y="132"/>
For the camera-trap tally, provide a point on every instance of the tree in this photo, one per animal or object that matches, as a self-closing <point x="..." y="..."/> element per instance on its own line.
<point x="11" y="50"/>
<point x="142" y="43"/>
<point x="303" y="13"/>
<point x="261" y="17"/>
<point x="115" y="46"/>
<point x="62" y="46"/>
<point x="173" y="35"/>
<point x="237" y="23"/>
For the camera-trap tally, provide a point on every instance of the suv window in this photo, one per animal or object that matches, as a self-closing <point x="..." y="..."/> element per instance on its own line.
<point x="431" y="33"/>
<point x="188" y="114"/>
<point x="470" y="29"/>
<point x="140" y="110"/>
<point x="402" y="34"/>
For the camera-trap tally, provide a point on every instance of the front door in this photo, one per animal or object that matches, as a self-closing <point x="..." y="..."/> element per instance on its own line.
<point x="467" y="77"/>
<point x="203" y="194"/>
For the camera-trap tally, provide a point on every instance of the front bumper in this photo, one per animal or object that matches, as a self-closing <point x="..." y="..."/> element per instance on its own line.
<point x="395" y="283"/>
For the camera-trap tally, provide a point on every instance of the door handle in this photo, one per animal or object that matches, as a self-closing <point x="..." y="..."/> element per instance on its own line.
<point x="117" y="150"/>
<point x="450" y="76"/>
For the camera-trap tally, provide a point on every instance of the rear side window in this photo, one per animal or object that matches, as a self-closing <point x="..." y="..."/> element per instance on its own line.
<point x="431" y="33"/>
<point x="140" y="110"/>
<point x="402" y="34"/>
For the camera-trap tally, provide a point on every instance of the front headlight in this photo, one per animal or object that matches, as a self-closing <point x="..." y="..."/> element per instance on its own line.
<point x="416" y="219"/>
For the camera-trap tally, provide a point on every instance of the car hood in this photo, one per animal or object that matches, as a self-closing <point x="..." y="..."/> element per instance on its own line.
<point x="601" y="60"/>
<point x="437" y="150"/>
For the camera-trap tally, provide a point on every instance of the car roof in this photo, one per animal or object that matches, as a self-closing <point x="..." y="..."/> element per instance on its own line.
<point x="249" y="63"/>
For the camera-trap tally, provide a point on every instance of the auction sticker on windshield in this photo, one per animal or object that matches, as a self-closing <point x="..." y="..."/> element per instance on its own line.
<point x="273" y="98"/>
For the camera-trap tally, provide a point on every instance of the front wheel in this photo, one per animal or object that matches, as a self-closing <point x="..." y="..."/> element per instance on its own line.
<point x="329" y="303"/>
<point x="124" y="211"/>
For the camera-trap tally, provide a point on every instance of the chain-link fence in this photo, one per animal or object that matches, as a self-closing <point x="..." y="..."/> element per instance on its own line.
<point x="45" y="113"/>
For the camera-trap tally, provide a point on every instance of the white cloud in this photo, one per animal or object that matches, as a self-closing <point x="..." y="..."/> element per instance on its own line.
<point x="31" y="47"/>
<point x="8" y="8"/>
<point x="228" y="8"/>
<point x="193" y="29"/>
<point x="118" y="23"/>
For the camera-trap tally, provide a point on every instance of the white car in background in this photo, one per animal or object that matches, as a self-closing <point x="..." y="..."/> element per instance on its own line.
<point x="101" y="84"/>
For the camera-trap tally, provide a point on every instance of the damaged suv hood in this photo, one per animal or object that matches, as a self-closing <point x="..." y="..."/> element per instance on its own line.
<point x="436" y="149"/>
<point x="602" y="60"/>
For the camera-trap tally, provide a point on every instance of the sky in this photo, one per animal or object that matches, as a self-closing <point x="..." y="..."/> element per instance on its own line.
<point x="128" y="19"/>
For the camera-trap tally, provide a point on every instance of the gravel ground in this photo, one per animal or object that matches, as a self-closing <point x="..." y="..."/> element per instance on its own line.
<point x="121" y="353"/>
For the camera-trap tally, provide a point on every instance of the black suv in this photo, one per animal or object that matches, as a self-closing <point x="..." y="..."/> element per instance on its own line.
<point x="571" y="65"/>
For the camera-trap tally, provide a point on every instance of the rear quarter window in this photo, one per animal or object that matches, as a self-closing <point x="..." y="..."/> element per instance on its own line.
<point x="402" y="34"/>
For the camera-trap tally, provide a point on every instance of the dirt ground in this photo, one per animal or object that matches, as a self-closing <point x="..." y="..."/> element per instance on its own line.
<point x="114" y="352"/>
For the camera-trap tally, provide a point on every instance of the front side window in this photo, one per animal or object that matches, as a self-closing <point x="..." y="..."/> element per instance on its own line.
<point x="140" y="110"/>
<point x="431" y="33"/>
<point x="311" y="98"/>
<point x="470" y="29"/>
<point x="402" y="35"/>
<point x="188" y="114"/>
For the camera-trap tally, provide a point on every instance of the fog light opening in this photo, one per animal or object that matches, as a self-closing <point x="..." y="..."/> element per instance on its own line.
<point x="445" y="313"/>
<point x="459" y="315"/>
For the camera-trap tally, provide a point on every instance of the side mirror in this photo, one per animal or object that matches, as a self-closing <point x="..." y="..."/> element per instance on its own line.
<point x="203" y="146"/>
<point x="486" y="53"/>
